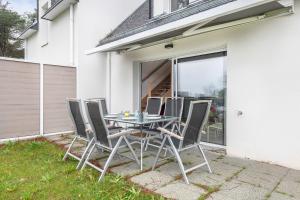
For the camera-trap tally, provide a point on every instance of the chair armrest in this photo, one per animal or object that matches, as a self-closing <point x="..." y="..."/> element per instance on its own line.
<point x="122" y="133"/>
<point x="163" y="130"/>
<point x="182" y="124"/>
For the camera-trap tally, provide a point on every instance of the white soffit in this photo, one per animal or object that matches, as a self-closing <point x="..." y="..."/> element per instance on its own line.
<point x="29" y="31"/>
<point x="57" y="9"/>
<point x="27" y="34"/>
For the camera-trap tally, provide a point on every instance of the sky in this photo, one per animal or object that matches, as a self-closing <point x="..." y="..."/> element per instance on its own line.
<point x="22" y="6"/>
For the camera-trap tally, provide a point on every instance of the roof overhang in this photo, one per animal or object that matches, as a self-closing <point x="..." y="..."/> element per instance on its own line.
<point x="29" y="31"/>
<point x="56" y="9"/>
<point x="192" y="25"/>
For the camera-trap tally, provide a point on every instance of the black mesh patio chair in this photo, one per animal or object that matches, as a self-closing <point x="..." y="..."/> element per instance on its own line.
<point x="103" y="104"/>
<point x="189" y="138"/>
<point x="80" y="129"/>
<point x="154" y="105"/>
<point x="105" y="139"/>
<point x="174" y="108"/>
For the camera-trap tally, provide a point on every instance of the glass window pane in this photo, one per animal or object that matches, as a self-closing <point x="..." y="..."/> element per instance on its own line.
<point x="178" y="4"/>
<point x="202" y="79"/>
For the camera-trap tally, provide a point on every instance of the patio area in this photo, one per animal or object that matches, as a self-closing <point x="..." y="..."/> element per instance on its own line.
<point x="232" y="178"/>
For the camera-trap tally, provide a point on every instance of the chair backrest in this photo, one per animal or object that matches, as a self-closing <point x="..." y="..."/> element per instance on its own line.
<point x="102" y="102"/>
<point x="197" y="118"/>
<point x="75" y="111"/>
<point x="154" y="105"/>
<point x="174" y="106"/>
<point x="104" y="106"/>
<point x="97" y="122"/>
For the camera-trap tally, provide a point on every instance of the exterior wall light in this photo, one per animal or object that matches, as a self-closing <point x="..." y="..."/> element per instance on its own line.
<point x="169" y="46"/>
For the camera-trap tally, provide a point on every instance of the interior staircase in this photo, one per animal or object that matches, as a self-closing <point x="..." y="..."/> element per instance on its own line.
<point x="163" y="89"/>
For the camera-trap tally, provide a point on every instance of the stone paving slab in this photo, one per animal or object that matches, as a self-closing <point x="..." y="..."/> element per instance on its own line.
<point x="193" y="155"/>
<point x="235" y="190"/>
<point x="293" y="175"/>
<point x="118" y="159"/>
<point x="152" y="180"/>
<point x="76" y="145"/>
<point x="180" y="190"/>
<point x="132" y="168"/>
<point x="238" y="162"/>
<point x="221" y="172"/>
<point x="55" y="138"/>
<point x="171" y="169"/>
<point x="233" y="178"/>
<point x="267" y="168"/>
<point x="259" y="179"/>
<point x="63" y="142"/>
<point x="289" y="187"/>
<point x="281" y="196"/>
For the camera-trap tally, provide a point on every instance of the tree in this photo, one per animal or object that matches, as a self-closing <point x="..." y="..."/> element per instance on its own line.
<point x="11" y="25"/>
<point x="30" y="17"/>
<point x="3" y="5"/>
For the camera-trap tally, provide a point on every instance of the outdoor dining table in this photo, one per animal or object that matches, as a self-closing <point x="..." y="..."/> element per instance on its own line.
<point x="140" y="122"/>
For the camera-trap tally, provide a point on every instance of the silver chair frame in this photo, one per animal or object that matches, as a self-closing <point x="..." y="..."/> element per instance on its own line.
<point x="121" y="135"/>
<point x="115" y="124"/>
<point x="174" y="125"/>
<point x="176" y="151"/>
<point x="88" y="140"/>
<point x="177" y="125"/>
<point x="143" y="142"/>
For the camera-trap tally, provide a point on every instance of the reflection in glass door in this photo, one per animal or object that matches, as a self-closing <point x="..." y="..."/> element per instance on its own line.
<point x="204" y="78"/>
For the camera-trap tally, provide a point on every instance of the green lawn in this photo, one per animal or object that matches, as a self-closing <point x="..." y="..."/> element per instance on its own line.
<point x="35" y="170"/>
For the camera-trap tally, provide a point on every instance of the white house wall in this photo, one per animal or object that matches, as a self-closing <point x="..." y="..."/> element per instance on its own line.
<point x="263" y="82"/>
<point x="94" y="20"/>
<point x="57" y="50"/>
<point x="32" y="48"/>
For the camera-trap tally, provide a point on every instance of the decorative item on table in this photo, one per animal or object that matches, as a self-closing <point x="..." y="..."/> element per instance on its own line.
<point x="145" y="115"/>
<point x="139" y="116"/>
<point x="126" y="114"/>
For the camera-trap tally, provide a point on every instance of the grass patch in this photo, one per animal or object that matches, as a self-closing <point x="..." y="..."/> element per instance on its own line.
<point x="35" y="170"/>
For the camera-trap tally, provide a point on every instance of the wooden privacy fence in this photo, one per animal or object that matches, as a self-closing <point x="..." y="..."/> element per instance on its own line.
<point x="33" y="98"/>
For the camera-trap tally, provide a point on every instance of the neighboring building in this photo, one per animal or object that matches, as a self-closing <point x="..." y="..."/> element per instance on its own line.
<point x="243" y="54"/>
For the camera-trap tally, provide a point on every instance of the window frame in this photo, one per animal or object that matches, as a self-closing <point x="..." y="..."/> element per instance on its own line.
<point x="168" y="9"/>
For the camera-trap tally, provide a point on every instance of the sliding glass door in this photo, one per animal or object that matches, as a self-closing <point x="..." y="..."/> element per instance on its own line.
<point x="204" y="78"/>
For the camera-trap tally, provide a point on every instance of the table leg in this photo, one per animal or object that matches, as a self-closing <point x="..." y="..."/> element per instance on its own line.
<point x="142" y="147"/>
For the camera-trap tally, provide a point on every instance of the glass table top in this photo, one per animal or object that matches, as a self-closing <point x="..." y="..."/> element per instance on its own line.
<point x="131" y="119"/>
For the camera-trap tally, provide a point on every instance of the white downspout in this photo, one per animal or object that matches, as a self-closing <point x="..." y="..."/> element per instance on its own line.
<point x="72" y="34"/>
<point x="25" y="50"/>
<point x="108" y="81"/>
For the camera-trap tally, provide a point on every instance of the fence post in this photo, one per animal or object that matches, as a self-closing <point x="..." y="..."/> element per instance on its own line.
<point x="41" y="99"/>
